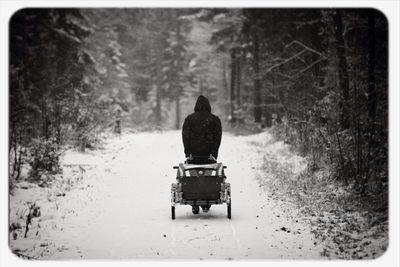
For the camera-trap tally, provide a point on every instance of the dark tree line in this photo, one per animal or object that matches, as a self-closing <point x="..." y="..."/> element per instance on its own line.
<point x="72" y="72"/>
<point x="46" y="84"/>
<point x="324" y="71"/>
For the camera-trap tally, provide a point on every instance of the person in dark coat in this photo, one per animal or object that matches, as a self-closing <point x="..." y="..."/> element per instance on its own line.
<point x="201" y="133"/>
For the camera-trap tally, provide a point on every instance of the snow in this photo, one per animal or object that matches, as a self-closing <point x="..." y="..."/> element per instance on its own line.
<point x="117" y="206"/>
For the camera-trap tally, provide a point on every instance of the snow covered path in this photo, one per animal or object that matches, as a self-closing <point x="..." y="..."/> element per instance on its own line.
<point x="121" y="210"/>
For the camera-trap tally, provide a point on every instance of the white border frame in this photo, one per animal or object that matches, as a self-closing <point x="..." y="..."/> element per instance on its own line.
<point x="391" y="8"/>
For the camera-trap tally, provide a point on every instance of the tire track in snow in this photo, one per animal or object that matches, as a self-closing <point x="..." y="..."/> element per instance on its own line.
<point x="237" y="241"/>
<point x="173" y="240"/>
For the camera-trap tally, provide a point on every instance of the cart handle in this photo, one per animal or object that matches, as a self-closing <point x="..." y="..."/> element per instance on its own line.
<point x="177" y="167"/>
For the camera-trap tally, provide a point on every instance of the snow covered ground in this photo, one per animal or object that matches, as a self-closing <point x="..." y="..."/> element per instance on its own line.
<point x="114" y="203"/>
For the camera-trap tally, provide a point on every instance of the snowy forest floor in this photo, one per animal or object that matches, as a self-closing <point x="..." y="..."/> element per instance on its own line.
<point x="114" y="203"/>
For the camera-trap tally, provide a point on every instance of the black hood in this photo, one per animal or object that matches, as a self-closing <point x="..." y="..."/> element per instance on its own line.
<point x="202" y="104"/>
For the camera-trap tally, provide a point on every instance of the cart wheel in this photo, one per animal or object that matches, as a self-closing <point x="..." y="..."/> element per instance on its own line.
<point x="173" y="212"/>
<point x="195" y="209"/>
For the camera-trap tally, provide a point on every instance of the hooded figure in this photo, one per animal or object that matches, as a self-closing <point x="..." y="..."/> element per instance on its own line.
<point x="201" y="132"/>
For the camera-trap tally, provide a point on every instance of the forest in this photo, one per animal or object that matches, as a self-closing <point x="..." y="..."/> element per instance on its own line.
<point x="320" y="74"/>
<point x="316" y="78"/>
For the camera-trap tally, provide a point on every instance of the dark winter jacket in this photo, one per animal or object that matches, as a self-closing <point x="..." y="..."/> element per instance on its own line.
<point x="201" y="131"/>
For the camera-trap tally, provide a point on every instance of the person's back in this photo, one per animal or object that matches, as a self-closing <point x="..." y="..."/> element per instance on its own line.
<point x="201" y="132"/>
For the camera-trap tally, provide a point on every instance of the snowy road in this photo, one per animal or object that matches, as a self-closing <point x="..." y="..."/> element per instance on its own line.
<point x="122" y="208"/>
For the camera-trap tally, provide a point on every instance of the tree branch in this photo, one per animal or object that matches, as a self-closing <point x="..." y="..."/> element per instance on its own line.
<point x="305" y="47"/>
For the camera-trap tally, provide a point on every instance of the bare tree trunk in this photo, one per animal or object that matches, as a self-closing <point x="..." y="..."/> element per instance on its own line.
<point x="225" y="85"/>
<point x="57" y="124"/>
<point x="15" y="148"/>
<point x="178" y="112"/>
<point x="257" y="76"/>
<point x="371" y="100"/>
<point x="233" y="84"/>
<point x="117" y="128"/>
<point x="238" y="78"/>
<point x="19" y="164"/>
<point x="267" y="109"/>
<point x="158" y="104"/>
<point x="158" y="93"/>
<point x="179" y="68"/>
<point x="46" y="121"/>
<point x="343" y="73"/>
<point x="371" y="68"/>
